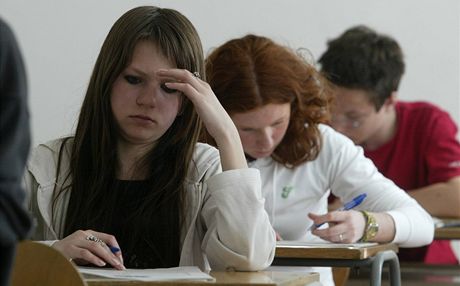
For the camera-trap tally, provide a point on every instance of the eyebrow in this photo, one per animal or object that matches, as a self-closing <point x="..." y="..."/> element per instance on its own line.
<point x="136" y="70"/>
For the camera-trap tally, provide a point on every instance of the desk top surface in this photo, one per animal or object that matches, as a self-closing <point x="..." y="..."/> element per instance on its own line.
<point x="447" y="233"/>
<point x="308" y="252"/>
<point x="261" y="278"/>
<point x="450" y="229"/>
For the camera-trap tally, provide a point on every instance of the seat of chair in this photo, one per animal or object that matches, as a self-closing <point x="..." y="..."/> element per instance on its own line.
<point x="38" y="264"/>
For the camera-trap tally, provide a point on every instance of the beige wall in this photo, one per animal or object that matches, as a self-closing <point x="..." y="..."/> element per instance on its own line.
<point x="61" y="39"/>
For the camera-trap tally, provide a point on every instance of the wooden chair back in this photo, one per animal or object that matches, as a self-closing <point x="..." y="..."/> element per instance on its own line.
<point x="38" y="264"/>
<point x="340" y="275"/>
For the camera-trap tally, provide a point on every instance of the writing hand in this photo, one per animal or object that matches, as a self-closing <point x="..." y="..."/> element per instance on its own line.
<point x="91" y="247"/>
<point x="344" y="227"/>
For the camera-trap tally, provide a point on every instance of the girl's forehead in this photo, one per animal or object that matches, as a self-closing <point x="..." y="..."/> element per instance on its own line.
<point x="264" y="115"/>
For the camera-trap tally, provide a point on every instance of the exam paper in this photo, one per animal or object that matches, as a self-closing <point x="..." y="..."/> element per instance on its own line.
<point x="159" y="274"/>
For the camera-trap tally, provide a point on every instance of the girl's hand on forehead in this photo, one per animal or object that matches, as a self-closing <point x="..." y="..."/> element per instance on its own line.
<point x="201" y="95"/>
<point x="216" y="120"/>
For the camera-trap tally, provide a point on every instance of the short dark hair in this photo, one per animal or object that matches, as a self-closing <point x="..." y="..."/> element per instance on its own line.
<point x="361" y="58"/>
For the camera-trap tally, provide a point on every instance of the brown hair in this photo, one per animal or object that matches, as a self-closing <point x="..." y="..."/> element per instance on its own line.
<point x="253" y="71"/>
<point x="94" y="158"/>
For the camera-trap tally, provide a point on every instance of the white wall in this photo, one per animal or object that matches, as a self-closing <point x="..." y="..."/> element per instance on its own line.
<point x="60" y="41"/>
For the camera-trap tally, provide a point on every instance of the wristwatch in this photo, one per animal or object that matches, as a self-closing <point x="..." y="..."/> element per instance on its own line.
<point x="372" y="227"/>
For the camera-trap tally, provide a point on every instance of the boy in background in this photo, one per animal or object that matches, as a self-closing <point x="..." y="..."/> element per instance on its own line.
<point x="412" y="143"/>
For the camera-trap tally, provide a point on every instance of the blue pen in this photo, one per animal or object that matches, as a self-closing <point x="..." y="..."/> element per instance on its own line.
<point x="348" y="206"/>
<point x="114" y="249"/>
<point x="353" y="203"/>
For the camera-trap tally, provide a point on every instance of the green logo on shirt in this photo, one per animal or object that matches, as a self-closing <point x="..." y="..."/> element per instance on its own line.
<point x="286" y="191"/>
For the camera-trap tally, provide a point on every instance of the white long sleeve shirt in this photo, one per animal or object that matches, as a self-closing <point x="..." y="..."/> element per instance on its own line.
<point x="226" y="224"/>
<point x="340" y="168"/>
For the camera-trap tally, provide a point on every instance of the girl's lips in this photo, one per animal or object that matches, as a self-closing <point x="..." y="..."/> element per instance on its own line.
<point x="143" y="117"/>
<point x="142" y="120"/>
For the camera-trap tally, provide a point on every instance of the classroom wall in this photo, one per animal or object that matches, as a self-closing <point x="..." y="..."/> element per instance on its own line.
<point x="60" y="41"/>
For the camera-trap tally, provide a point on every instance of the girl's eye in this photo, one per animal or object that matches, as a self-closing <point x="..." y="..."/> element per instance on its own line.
<point x="167" y="89"/>
<point x="132" y="79"/>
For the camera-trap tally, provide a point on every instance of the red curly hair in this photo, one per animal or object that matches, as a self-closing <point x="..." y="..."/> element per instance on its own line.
<point x="253" y="71"/>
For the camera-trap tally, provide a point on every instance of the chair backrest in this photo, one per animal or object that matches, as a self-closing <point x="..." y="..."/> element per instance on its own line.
<point x="39" y="264"/>
<point x="340" y="275"/>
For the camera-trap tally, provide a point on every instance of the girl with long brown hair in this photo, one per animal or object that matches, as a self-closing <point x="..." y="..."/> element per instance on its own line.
<point x="134" y="178"/>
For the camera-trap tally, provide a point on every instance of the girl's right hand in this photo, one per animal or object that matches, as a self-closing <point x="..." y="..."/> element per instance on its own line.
<point x="90" y="247"/>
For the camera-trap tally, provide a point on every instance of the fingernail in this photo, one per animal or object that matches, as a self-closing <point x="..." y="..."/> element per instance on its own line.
<point x="101" y="263"/>
<point x="116" y="261"/>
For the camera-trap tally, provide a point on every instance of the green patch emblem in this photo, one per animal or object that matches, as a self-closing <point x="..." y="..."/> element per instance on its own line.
<point x="286" y="191"/>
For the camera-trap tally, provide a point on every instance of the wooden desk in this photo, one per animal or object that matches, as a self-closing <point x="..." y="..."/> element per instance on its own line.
<point x="262" y="278"/>
<point x="372" y="255"/>
<point x="447" y="228"/>
<point x="447" y="233"/>
<point x="308" y="252"/>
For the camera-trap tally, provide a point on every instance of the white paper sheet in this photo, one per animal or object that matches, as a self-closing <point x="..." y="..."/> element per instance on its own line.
<point x="159" y="274"/>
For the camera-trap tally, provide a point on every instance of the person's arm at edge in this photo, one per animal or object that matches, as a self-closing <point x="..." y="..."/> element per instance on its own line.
<point x="440" y="199"/>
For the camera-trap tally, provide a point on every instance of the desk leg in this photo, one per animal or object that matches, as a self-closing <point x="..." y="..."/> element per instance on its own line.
<point x="377" y="264"/>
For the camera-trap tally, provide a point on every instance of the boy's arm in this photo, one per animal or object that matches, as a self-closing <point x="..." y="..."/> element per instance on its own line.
<point x="440" y="199"/>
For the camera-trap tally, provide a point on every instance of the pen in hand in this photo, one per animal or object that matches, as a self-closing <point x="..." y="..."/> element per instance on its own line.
<point x="348" y="206"/>
<point x="113" y="249"/>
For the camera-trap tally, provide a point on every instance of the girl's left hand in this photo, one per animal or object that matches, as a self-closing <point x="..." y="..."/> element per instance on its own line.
<point x="208" y="107"/>
<point x="344" y="226"/>
<point x="216" y="120"/>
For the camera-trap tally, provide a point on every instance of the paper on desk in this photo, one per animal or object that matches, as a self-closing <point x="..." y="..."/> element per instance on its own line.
<point x="293" y="243"/>
<point x="158" y="274"/>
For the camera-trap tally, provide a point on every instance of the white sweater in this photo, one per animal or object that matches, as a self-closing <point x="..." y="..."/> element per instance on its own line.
<point x="226" y="224"/>
<point x="290" y="194"/>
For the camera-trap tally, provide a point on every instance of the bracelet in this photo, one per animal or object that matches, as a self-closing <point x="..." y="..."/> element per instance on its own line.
<point x="371" y="229"/>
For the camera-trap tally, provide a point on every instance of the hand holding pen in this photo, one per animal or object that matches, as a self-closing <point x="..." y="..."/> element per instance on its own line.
<point x="91" y="247"/>
<point x="343" y="223"/>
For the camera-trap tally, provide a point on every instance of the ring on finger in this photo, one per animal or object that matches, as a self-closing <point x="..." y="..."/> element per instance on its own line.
<point x="93" y="238"/>
<point x="196" y="74"/>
